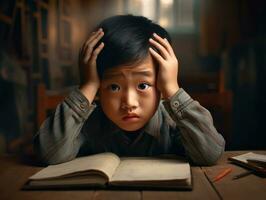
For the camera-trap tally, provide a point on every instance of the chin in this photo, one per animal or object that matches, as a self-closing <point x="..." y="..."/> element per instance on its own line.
<point x="130" y="128"/>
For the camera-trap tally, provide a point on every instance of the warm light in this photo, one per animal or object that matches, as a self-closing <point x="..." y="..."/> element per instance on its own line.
<point x="171" y="14"/>
<point x="164" y="22"/>
<point x="166" y="13"/>
<point x="166" y="2"/>
<point x="148" y="9"/>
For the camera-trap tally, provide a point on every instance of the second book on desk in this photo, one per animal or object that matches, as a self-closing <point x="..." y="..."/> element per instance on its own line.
<point x="107" y="170"/>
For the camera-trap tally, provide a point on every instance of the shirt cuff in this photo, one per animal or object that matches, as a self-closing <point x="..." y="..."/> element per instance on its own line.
<point x="80" y="104"/>
<point x="175" y="104"/>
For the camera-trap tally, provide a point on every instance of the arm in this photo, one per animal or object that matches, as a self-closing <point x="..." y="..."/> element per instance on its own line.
<point x="59" y="138"/>
<point x="203" y="144"/>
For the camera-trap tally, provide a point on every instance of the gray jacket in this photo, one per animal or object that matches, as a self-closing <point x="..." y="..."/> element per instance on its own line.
<point x="180" y="126"/>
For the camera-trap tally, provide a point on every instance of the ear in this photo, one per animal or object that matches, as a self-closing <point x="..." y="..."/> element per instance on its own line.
<point x="97" y="96"/>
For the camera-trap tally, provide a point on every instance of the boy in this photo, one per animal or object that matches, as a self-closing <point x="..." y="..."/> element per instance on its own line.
<point x="131" y="65"/>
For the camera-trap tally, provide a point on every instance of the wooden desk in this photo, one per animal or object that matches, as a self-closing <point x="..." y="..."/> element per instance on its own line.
<point x="14" y="174"/>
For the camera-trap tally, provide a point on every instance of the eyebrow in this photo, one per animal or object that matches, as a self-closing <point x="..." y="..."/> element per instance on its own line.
<point x="134" y="73"/>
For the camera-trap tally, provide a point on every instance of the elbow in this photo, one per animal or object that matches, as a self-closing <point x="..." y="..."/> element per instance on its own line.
<point x="210" y="162"/>
<point x="52" y="159"/>
<point x="56" y="157"/>
<point x="208" y="156"/>
<point x="207" y="160"/>
<point x="56" y="160"/>
<point x="50" y="156"/>
<point x="212" y="156"/>
<point x="213" y="152"/>
<point x="38" y="151"/>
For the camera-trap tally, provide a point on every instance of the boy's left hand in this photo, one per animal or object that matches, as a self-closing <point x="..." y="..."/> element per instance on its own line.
<point x="168" y="66"/>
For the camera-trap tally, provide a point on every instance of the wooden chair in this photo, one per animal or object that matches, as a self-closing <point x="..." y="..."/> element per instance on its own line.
<point x="218" y="101"/>
<point x="47" y="102"/>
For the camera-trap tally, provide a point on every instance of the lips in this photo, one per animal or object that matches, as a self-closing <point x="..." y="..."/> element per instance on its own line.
<point x="130" y="117"/>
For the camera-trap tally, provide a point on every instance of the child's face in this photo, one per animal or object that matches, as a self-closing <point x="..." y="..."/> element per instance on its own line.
<point x="128" y="94"/>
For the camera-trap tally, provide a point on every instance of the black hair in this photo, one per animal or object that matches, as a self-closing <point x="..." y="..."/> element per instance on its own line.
<point x="126" y="40"/>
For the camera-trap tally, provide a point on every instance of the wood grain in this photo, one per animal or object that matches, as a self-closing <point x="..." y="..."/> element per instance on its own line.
<point x="249" y="187"/>
<point x="14" y="173"/>
<point x="201" y="190"/>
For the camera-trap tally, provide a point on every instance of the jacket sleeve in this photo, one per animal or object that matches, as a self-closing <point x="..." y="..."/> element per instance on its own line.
<point x="58" y="139"/>
<point x="201" y="141"/>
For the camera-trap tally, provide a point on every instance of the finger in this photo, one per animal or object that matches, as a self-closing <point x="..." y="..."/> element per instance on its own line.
<point x="170" y="48"/>
<point x="81" y="56"/>
<point x="93" y="36"/>
<point x="161" y="48"/>
<point x="165" y="43"/>
<point x="156" y="55"/>
<point x="90" y="47"/>
<point x="97" y="51"/>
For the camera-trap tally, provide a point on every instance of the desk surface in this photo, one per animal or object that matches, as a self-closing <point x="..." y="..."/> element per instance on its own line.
<point x="13" y="174"/>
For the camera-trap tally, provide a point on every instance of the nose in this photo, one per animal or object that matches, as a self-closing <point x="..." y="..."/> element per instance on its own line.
<point x="129" y="100"/>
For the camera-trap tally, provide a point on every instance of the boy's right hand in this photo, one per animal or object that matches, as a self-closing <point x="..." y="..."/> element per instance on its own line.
<point x="90" y="81"/>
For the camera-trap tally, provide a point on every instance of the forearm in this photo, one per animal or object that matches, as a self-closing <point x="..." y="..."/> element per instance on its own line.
<point x="59" y="138"/>
<point x="203" y="144"/>
<point x="89" y="91"/>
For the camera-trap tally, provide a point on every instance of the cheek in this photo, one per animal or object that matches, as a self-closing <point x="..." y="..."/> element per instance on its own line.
<point x="109" y="103"/>
<point x="151" y="99"/>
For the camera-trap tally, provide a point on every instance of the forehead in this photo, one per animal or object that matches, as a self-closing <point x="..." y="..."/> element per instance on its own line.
<point x="146" y="68"/>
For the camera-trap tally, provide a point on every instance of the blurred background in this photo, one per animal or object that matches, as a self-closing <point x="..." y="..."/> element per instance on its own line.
<point x="220" y="45"/>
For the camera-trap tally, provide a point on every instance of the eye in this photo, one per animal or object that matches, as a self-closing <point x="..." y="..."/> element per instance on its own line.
<point x="143" y="86"/>
<point x="114" y="87"/>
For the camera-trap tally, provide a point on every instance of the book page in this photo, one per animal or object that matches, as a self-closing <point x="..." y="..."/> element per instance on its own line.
<point x="151" y="169"/>
<point x="250" y="155"/>
<point x="104" y="162"/>
<point x="72" y="181"/>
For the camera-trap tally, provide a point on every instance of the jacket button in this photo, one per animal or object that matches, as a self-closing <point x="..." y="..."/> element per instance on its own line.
<point x="176" y="104"/>
<point x="82" y="106"/>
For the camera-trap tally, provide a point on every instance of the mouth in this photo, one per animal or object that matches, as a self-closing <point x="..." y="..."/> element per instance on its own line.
<point x="131" y="117"/>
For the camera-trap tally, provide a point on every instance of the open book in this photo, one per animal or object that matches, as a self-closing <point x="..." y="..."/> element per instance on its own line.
<point x="253" y="161"/>
<point x="107" y="170"/>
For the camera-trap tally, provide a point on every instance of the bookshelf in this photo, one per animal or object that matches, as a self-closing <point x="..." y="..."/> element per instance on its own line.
<point x="37" y="34"/>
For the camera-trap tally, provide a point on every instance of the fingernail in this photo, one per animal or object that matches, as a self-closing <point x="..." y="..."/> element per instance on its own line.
<point x="100" y="29"/>
<point x="154" y="34"/>
<point x="150" y="39"/>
